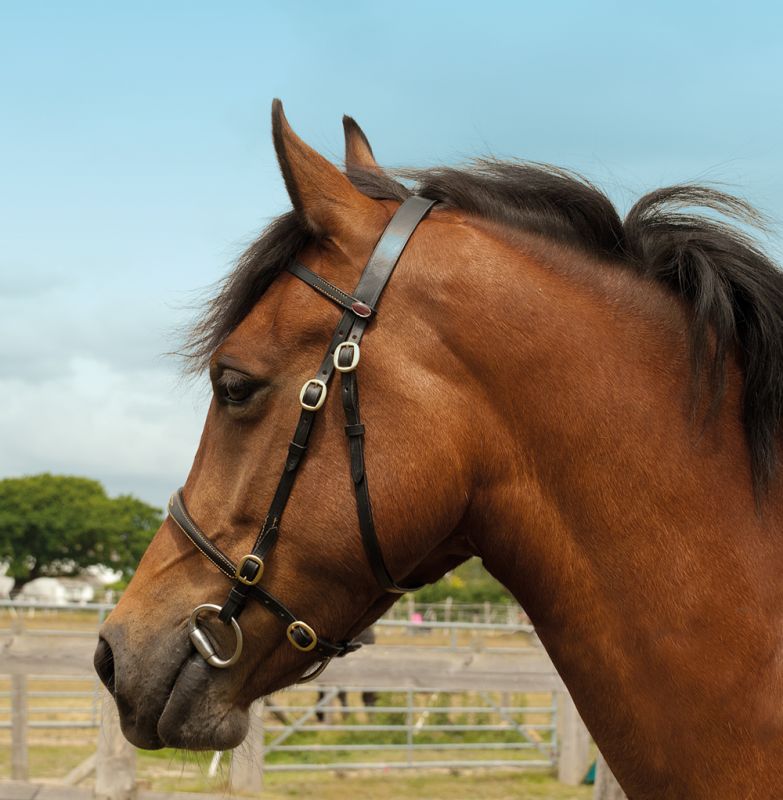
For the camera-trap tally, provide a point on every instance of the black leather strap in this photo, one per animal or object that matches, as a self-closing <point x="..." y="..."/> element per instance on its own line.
<point x="180" y="515"/>
<point x="328" y="290"/>
<point x="385" y="256"/>
<point x="351" y="328"/>
<point x="355" y="430"/>
<point x="359" y="309"/>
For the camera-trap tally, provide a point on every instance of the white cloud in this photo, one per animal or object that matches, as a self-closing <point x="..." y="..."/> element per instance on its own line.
<point x="136" y="431"/>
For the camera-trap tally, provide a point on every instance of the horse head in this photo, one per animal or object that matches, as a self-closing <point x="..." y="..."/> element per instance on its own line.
<point x="263" y="369"/>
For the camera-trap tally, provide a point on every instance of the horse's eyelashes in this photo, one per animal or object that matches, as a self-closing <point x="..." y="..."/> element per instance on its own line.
<point x="235" y="388"/>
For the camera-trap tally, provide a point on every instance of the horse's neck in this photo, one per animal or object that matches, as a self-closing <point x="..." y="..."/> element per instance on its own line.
<point x="631" y="537"/>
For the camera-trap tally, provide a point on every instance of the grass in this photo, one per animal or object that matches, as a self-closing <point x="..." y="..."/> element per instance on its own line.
<point x="184" y="775"/>
<point x="54" y="752"/>
<point x="172" y="770"/>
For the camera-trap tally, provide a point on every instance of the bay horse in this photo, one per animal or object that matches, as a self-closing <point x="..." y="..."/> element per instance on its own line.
<point x="591" y="405"/>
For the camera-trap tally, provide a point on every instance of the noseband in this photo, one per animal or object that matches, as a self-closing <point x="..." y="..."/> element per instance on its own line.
<point x="343" y="357"/>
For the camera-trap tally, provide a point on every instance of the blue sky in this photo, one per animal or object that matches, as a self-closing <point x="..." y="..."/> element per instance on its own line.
<point x="136" y="163"/>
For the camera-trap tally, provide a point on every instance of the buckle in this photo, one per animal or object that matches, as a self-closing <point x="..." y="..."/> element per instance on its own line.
<point x="321" y="397"/>
<point x="298" y="625"/>
<point x="202" y="643"/>
<point x="240" y="566"/>
<point x="354" y="357"/>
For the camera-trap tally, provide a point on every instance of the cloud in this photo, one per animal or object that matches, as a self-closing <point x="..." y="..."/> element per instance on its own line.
<point x="40" y="336"/>
<point x="17" y="281"/>
<point x="137" y="432"/>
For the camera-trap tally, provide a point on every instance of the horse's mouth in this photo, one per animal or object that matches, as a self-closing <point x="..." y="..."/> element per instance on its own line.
<point x="196" y="716"/>
<point x="179" y="702"/>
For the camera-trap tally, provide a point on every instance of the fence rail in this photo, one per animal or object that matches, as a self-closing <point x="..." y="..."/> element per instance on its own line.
<point x="462" y="723"/>
<point x="500" y="629"/>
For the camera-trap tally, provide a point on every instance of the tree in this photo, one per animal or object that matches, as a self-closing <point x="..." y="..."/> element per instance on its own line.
<point x="468" y="583"/>
<point x="58" y="524"/>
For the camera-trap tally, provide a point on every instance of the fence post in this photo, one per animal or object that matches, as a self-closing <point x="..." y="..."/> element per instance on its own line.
<point x="246" y="773"/>
<point x="19" y="760"/>
<point x="606" y="786"/>
<point x="115" y="764"/>
<point x="574" y="751"/>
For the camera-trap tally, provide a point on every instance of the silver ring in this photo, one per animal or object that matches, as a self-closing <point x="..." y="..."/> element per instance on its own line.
<point x="204" y="646"/>
<point x="311" y="676"/>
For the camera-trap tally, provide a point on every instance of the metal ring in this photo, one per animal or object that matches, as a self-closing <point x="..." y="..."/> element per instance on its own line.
<point x="299" y="625"/>
<point x="321" y="397"/>
<point x="311" y="676"/>
<point x="257" y="577"/>
<point x="354" y="358"/>
<point x="202" y="643"/>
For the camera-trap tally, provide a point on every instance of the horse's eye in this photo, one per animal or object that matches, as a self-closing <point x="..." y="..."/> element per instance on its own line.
<point x="238" y="392"/>
<point x="234" y="388"/>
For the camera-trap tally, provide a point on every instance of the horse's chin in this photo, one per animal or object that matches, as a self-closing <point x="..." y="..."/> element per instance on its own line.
<point x="193" y="715"/>
<point x="196" y="717"/>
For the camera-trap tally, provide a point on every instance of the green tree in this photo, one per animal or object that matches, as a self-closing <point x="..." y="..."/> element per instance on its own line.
<point x="468" y="583"/>
<point x="58" y="524"/>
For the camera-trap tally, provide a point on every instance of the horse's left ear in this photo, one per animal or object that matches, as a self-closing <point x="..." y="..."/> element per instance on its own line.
<point x="358" y="153"/>
<point x="323" y="197"/>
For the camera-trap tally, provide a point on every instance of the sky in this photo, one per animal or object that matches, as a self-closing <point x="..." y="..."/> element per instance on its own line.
<point x="136" y="163"/>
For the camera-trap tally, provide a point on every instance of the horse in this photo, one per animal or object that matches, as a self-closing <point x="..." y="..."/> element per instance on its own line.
<point x="590" y="404"/>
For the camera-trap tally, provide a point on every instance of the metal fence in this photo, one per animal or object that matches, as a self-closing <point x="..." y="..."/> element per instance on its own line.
<point x="77" y="705"/>
<point x="452" y="627"/>
<point x="405" y="728"/>
<point x="30" y="618"/>
<point x="330" y="727"/>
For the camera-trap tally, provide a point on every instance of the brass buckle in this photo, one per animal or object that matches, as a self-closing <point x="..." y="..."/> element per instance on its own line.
<point x="299" y="625"/>
<point x="257" y="577"/>
<point x="354" y="358"/>
<point x="203" y="644"/>
<point x="321" y="397"/>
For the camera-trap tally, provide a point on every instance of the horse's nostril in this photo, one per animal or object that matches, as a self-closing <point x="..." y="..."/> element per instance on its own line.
<point x="104" y="663"/>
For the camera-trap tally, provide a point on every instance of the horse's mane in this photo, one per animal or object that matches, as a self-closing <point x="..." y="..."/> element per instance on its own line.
<point x="733" y="290"/>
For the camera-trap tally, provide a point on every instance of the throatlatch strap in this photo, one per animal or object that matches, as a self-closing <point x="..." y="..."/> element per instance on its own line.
<point x="354" y="430"/>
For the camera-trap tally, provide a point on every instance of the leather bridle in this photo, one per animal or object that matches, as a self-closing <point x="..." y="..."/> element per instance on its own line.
<point x="342" y="356"/>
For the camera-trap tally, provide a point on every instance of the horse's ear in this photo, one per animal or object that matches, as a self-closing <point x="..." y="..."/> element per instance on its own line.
<point x="358" y="153"/>
<point x="323" y="197"/>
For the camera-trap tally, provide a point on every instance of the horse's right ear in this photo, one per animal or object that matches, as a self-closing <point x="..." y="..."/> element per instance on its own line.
<point x="358" y="153"/>
<point x="323" y="197"/>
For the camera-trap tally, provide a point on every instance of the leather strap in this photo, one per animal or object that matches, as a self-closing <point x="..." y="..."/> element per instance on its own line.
<point x="359" y="309"/>
<point x="355" y="430"/>
<point x="351" y="328"/>
<point x="180" y="515"/>
<point x="328" y="290"/>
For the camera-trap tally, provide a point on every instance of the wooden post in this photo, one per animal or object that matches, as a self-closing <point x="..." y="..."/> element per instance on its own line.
<point x="115" y="763"/>
<point x="606" y="786"/>
<point x="246" y="773"/>
<point x="574" y="751"/>
<point x="19" y="761"/>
